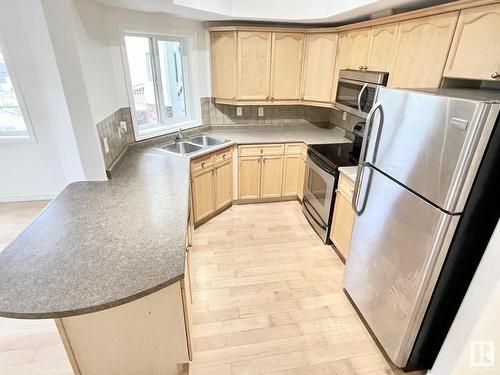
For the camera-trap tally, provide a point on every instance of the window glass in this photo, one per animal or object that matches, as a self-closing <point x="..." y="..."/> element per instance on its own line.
<point x="12" y="123"/>
<point x="141" y="77"/>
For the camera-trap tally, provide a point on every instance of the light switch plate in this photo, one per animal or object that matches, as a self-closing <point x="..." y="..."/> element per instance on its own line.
<point x="261" y="111"/>
<point x="106" y="145"/>
<point x="344" y="116"/>
<point x="119" y="132"/>
<point x="239" y="111"/>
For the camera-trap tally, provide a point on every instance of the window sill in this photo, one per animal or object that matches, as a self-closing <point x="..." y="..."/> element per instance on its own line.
<point x="166" y="129"/>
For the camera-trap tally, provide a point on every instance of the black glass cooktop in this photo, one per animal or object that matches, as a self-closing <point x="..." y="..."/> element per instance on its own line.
<point x="337" y="155"/>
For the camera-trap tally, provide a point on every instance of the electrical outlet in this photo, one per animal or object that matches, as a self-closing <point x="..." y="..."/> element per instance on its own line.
<point x="344" y="116"/>
<point x="261" y="111"/>
<point x="106" y="145"/>
<point x="123" y="126"/>
<point x="239" y="111"/>
<point x="119" y="131"/>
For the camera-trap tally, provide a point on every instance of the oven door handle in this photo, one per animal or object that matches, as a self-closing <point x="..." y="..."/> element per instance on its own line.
<point x="306" y="204"/>
<point x="360" y="94"/>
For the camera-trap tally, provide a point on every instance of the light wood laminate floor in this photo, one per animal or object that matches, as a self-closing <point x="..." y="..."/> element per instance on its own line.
<point x="267" y="299"/>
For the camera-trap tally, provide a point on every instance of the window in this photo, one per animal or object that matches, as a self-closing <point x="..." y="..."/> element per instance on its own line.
<point x="13" y="118"/>
<point x="161" y="89"/>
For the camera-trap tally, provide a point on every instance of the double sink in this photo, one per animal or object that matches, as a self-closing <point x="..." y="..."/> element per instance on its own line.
<point x="192" y="144"/>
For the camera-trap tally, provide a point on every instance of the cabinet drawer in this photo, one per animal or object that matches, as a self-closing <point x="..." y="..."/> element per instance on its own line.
<point x="346" y="186"/>
<point x="257" y="150"/>
<point x="293" y="148"/>
<point x="202" y="163"/>
<point x="223" y="155"/>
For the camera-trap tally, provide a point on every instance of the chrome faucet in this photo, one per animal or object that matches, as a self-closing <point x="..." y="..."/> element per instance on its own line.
<point x="180" y="136"/>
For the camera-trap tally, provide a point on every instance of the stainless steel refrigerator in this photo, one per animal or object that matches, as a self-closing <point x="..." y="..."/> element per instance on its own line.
<point x="426" y="202"/>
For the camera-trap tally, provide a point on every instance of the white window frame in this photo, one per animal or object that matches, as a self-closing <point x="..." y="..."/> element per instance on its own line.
<point x="193" y="106"/>
<point x="9" y="138"/>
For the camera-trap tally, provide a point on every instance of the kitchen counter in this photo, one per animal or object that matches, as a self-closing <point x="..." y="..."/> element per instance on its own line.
<point x="103" y="244"/>
<point x="349" y="172"/>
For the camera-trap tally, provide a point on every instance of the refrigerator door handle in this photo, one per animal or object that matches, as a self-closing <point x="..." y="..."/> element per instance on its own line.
<point x="368" y="130"/>
<point x="377" y="106"/>
<point x="357" y="184"/>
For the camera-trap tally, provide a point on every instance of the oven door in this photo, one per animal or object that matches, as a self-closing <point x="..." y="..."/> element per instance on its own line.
<point x="355" y="97"/>
<point x="319" y="186"/>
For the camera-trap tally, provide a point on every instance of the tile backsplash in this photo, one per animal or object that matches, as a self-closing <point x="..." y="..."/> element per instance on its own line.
<point x="223" y="114"/>
<point x="108" y="128"/>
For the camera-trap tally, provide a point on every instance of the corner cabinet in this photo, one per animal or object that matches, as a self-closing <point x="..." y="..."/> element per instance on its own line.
<point x="224" y="52"/>
<point x="286" y="66"/>
<point x="319" y="65"/>
<point x="254" y="65"/>
<point x="475" y="51"/>
<point x="211" y="183"/>
<point x="421" y="50"/>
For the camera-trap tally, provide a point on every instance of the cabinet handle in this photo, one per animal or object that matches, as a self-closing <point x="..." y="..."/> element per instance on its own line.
<point x="224" y="156"/>
<point x="203" y="164"/>
<point x="495" y="75"/>
<point x="261" y="150"/>
<point x="361" y="67"/>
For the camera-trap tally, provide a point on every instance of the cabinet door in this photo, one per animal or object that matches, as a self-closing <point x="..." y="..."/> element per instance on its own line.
<point x="249" y="177"/>
<point x="319" y="66"/>
<point x="271" y="176"/>
<point x="223" y="175"/>
<point x="342" y="222"/>
<point x="422" y="46"/>
<point x="475" y="51"/>
<point x="286" y="77"/>
<point x="254" y="64"/>
<point x="382" y="41"/>
<point x="291" y="171"/>
<point x="340" y="61"/>
<point x="359" y="41"/>
<point x="224" y="64"/>
<point x="203" y="194"/>
<point x="300" y="182"/>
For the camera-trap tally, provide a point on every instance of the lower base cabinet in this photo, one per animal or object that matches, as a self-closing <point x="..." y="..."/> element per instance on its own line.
<point x="291" y="175"/>
<point x="343" y="217"/>
<point x="271" y="176"/>
<point x="211" y="184"/>
<point x="249" y="177"/>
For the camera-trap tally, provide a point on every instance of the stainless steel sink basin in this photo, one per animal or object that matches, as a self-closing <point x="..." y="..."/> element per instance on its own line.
<point x="206" y="141"/>
<point x="182" y="147"/>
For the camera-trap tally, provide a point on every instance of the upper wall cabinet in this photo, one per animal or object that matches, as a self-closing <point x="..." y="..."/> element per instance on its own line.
<point x="382" y="41"/>
<point x="319" y="66"/>
<point x="475" y="51"/>
<point x="254" y="65"/>
<point x="359" y="41"/>
<point x="224" y="50"/>
<point x="422" y="46"/>
<point x="340" y="61"/>
<point x="286" y="65"/>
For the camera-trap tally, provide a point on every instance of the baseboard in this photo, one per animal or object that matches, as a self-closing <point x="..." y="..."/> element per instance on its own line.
<point x="26" y="198"/>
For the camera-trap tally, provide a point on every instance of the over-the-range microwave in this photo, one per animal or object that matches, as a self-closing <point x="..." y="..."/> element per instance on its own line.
<point x="357" y="90"/>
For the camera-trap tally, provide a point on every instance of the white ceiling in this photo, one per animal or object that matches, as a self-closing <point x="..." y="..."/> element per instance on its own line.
<point x="300" y="11"/>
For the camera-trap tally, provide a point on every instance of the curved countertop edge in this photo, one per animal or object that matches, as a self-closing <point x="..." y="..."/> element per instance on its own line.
<point x="130" y="298"/>
<point x="92" y="309"/>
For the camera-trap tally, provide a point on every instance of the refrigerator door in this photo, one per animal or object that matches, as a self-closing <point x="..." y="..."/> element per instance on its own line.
<point x="397" y="249"/>
<point x="427" y="142"/>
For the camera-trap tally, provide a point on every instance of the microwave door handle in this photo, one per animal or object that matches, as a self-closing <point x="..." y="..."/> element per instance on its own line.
<point x="357" y="185"/>
<point x="360" y="94"/>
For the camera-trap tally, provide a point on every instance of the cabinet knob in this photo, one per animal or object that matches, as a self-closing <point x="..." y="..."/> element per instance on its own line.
<point x="203" y="164"/>
<point x="495" y="75"/>
<point x="223" y="156"/>
<point x="361" y="67"/>
<point x="261" y="150"/>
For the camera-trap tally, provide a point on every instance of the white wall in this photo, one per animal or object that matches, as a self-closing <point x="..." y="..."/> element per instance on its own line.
<point x="119" y="21"/>
<point x="35" y="170"/>
<point x="476" y="320"/>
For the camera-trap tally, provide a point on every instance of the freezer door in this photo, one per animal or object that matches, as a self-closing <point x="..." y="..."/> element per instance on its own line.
<point x="397" y="249"/>
<point x="427" y="142"/>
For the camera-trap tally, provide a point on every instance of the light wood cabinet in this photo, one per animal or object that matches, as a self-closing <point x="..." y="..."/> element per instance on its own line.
<point x="382" y="41"/>
<point x="203" y="194"/>
<point x="422" y="46"/>
<point x="359" y="42"/>
<point x="319" y="63"/>
<point x="254" y="65"/>
<point x="300" y="182"/>
<point x="223" y="181"/>
<point x="291" y="173"/>
<point x="211" y="183"/>
<point x="340" y="61"/>
<point x="343" y="216"/>
<point x="475" y="50"/>
<point x="286" y="65"/>
<point x="271" y="176"/>
<point x="249" y="177"/>
<point x="224" y="51"/>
